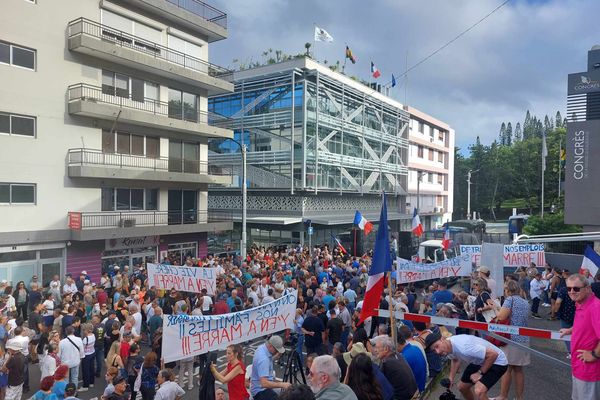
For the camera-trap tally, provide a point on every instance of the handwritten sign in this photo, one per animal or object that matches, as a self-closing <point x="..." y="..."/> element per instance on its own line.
<point x="517" y="255"/>
<point x="474" y="251"/>
<point x="181" y="278"/>
<point x="188" y="335"/>
<point x="410" y="271"/>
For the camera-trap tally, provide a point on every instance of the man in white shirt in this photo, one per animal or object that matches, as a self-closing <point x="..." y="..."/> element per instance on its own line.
<point x="536" y="287"/>
<point x="207" y="303"/>
<point x="252" y="294"/>
<point x="487" y="363"/>
<point x="70" y="351"/>
<point x="168" y="390"/>
<point x="137" y="316"/>
<point x="70" y="287"/>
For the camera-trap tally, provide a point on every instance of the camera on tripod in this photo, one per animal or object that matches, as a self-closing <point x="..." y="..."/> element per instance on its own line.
<point x="447" y="395"/>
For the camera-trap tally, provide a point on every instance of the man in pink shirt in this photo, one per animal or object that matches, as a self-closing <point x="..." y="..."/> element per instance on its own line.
<point x="585" y="340"/>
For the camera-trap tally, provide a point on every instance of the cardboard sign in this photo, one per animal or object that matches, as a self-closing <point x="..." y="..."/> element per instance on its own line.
<point x="185" y="336"/>
<point x="514" y="255"/>
<point x="410" y="271"/>
<point x="182" y="278"/>
<point x="474" y="251"/>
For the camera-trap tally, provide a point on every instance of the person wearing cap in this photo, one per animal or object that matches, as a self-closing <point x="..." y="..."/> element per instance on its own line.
<point x="261" y="379"/>
<point x="71" y="392"/>
<point x="486" y="362"/>
<point x="15" y="368"/>
<point x="120" y="385"/>
<point x="325" y="380"/>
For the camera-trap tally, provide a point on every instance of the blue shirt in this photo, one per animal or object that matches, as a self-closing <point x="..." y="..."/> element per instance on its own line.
<point x="39" y="395"/>
<point x="262" y="367"/>
<point x="441" y="296"/>
<point x="327" y="299"/>
<point x="323" y="277"/>
<point x="417" y="363"/>
<point x="59" y="389"/>
<point x="350" y="295"/>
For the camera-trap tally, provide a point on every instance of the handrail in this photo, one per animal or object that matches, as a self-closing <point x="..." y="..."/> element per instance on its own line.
<point x="131" y="219"/>
<point x="88" y="27"/>
<point x="81" y="156"/>
<point x="203" y="10"/>
<point x="111" y="95"/>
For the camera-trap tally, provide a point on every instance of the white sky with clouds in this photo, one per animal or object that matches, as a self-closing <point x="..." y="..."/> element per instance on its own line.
<point x="517" y="59"/>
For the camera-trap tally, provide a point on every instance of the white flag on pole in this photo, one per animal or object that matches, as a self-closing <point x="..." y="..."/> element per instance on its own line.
<point x="321" y="35"/>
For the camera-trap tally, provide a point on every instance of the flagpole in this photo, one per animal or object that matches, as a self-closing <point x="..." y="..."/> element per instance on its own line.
<point x="559" y="164"/>
<point x="406" y="78"/>
<point x="314" y="42"/>
<point x="543" y="170"/>
<point x="391" y="307"/>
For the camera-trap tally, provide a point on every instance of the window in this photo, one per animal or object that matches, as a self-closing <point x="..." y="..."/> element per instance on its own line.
<point x="125" y="199"/>
<point x="420" y="152"/>
<point x="430" y="177"/>
<point x="17" y="193"/>
<point x="127" y="143"/>
<point x="440" y="157"/>
<point x="421" y="127"/>
<point x="15" y="124"/>
<point x="430" y="154"/>
<point x="184" y="157"/>
<point x="115" y="84"/>
<point x="440" y="179"/>
<point x="183" y="105"/>
<point x="12" y="54"/>
<point x="441" y="135"/>
<point x="431" y="132"/>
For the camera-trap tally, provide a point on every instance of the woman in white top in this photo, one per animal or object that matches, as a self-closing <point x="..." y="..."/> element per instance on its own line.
<point x="50" y="361"/>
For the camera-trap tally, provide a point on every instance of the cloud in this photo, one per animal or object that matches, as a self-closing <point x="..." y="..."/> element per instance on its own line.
<point x="517" y="59"/>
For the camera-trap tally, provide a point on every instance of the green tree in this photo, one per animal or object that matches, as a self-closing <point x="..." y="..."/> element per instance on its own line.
<point x="502" y="135"/>
<point x="508" y="135"/>
<point x="550" y="224"/>
<point x="518" y="133"/>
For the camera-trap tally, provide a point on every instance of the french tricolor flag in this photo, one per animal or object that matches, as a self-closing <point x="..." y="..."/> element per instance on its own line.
<point x="446" y="239"/>
<point x="591" y="261"/>
<point x="374" y="71"/>
<point x="362" y="223"/>
<point x="381" y="263"/>
<point x="339" y="244"/>
<point x="417" y="228"/>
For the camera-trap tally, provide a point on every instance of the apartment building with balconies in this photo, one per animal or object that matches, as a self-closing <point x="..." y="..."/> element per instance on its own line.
<point x="431" y="168"/>
<point x="104" y="128"/>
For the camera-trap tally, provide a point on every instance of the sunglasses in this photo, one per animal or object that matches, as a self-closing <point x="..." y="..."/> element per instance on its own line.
<point x="575" y="289"/>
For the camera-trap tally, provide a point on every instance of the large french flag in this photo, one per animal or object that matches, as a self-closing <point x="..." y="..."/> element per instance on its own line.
<point x="417" y="228"/>
<point x="591" y="261"/>
<point x="362" y="223"/>
<point x="381" y="263"/>
<point x="446" y="239"/>
<point x="374" y="71"/>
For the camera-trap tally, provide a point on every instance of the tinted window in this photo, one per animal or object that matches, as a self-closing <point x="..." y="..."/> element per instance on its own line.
<point x="4" y="193"/>
<point x="151" y="199"/>
<point x="23" y="57"/>
<point x="23" y="194"/>
<point x="5" y="53"/>
<point x="4" y="123"/>
<point x="137" y="199"/>
<point x="122" y="199"/>
<point x="23" y="125"/>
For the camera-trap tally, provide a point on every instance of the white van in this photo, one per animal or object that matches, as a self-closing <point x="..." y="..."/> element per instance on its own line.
<point x="434" y="251"/>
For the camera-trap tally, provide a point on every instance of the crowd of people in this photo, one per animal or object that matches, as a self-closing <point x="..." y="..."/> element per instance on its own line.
<point x="109" y="332"/>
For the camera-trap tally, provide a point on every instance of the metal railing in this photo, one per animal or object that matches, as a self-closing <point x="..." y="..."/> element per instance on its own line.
<point x="85" y="26"/>
<point x="203" y="10"/>
<point x="82" y="156"/>
<point x="118" y="97"/>
<point x="132" y="219"/>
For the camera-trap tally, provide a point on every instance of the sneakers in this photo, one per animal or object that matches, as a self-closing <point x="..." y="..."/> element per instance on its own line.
<point x="190" y="387"/>
<point x="545" y="305"/>
<point x="83" y="389"/>
<point x="569" y="356"/>
<point x="91" y="385"/>
<point x="536" y="316"/>
<point x="552" y="319"/>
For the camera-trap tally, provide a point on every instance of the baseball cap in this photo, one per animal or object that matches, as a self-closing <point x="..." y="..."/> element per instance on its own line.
<point x="70" y="389"/>
<point x="431" y="339"/>
<point x="483" y="269"/>
<point x="277" y="342"/>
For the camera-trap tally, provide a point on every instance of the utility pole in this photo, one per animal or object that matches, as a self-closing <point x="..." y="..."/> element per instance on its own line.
<point x="244" y="202"/>
<point x="469" y="194"/>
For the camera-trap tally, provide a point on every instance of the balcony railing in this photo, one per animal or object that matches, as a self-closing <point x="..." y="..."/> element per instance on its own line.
<point x="87" y="27"/>
<point x="121" y="98"/>
<point x="97" y="157"/>
<point x="132" y="219"/>
<point x="203" y="10"/>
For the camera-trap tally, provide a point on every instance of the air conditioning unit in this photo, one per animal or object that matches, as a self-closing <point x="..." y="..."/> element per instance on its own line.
<point x="127" y="223"/>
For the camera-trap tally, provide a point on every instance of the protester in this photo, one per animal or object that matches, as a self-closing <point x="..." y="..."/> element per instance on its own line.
<point x="71" y="353"/>
<point x="294" y="392"/>
<point x="515" y="309"/>
<point x="262" y="381"/>
<point x="486" y="362"/>
<point x="415" y="359"/>
<point x="169" y="390"/>
<point x="361" y="379"/>
<point x="325" y="380"/>
<point x="149" y="376"/>
<point x="234" y="374"/>
<point x="585" y="339"/>
<point x="14" y="367"/>
<point x="395" y="368"/>
<point x="60" y="381"/>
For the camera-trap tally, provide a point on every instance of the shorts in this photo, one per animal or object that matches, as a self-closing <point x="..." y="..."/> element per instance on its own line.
<point x="554" y="295"/>
<point x="489" y="379"/>
<point x="516" y="356"/>
<point x="583" y="390"/>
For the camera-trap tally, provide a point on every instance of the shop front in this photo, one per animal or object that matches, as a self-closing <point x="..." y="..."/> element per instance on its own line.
<point x="20" y="263"/>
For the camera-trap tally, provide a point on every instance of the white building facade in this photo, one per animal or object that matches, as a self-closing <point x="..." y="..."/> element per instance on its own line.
<point x="103" y="133"/>
<point x="431" y="169"/>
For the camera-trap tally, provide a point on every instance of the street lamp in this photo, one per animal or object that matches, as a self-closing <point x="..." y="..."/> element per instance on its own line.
<point x="469" y="192"/>
<point x="243" y="149"/>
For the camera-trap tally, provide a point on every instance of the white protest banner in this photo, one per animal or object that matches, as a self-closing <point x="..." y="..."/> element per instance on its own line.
<point x="189" y="335"/>
<point x="409" y="271"/>
<point x="182" y="278"/>
<point x="517" y="255"/>
<point x="474" y="251"/>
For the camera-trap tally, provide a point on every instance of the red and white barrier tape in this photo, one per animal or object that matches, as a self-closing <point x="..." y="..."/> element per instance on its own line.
<point x="484" y="326"/>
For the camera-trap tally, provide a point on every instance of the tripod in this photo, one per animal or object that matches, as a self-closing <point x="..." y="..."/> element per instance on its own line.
<point x="293" y="365"/>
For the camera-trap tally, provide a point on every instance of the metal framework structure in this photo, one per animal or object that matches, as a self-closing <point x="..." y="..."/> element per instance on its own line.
<point x="308" y="131"/>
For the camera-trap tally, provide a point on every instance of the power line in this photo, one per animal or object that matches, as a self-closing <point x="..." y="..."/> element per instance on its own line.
<point x="452" y="40"/>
